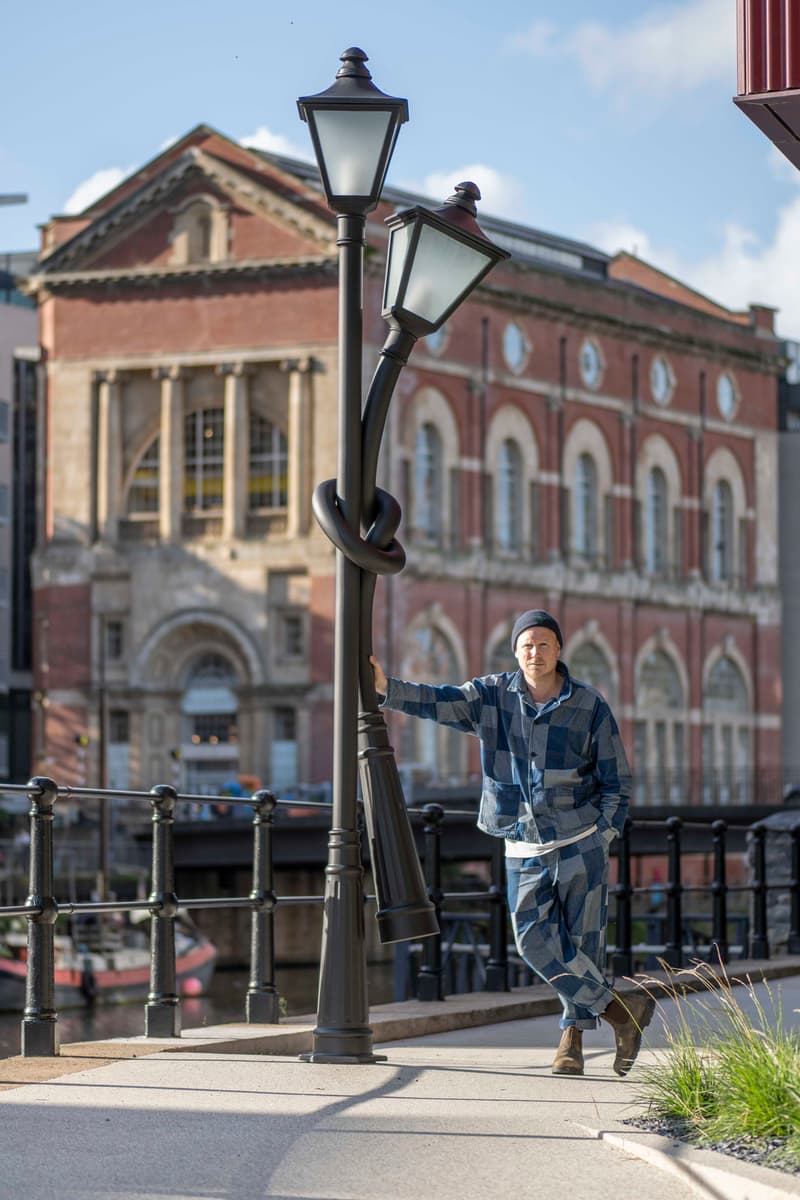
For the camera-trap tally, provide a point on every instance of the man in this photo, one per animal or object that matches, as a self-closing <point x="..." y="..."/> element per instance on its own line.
<point x="556" y="784"/>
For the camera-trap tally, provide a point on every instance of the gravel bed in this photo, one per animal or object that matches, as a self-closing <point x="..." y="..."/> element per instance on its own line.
<point x="766" y="1152"/>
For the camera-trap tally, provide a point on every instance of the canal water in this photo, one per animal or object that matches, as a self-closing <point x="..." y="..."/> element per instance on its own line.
<point x="224" y="1001"/>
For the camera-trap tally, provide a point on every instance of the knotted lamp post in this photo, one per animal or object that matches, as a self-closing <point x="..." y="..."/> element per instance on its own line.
<point x="434" y="261"/>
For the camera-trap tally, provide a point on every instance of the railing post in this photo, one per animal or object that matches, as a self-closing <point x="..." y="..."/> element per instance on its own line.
<point x="759" y="942"/>
<point x="162" y="1013"/>
<point x="430" y="981"/>
<point x="622" y="958"/>
<point x="40" y="1020"/>
<point x="497" y="964"/>
<point x="719" y="897"/>
<point x="793" y="946"/>
<point x="673" y="951"/>
<point x="263" y="1006"/>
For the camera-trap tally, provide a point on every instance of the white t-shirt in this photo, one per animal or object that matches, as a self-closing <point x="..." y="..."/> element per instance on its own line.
<point x="534" y="849"/>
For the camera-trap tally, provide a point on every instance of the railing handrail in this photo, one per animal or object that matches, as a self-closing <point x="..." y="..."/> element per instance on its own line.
<point x="162" y="1010"/>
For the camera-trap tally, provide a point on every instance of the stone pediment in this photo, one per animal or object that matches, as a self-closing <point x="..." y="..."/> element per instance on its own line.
<point x="199" y="212"/>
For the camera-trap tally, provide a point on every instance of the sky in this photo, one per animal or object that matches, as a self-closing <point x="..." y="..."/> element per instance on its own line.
<point x="609" y="123"/>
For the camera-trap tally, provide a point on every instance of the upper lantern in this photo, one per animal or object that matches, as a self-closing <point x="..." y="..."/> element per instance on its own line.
<point x="354" y="127"/>
<point x="435" y="259"/>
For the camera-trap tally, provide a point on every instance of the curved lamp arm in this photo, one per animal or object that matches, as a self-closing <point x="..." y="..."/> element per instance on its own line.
<point x="404" y="909"/>
<point x="394" y="356"/>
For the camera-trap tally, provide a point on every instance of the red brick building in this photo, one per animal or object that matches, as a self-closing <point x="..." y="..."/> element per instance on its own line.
<point x="585" y="434"/>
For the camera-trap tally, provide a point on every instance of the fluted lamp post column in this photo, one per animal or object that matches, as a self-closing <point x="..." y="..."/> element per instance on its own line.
<point x="354" y="128"/>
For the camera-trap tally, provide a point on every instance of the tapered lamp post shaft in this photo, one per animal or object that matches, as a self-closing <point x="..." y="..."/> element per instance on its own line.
<point x="353" y="127"/>
<point x="343" y="1033"/>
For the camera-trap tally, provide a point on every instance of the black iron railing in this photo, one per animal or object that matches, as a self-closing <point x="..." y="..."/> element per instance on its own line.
<point x="162" y="1008"/>
<point x="672" y="936"/>
<point x="492" y="958"/>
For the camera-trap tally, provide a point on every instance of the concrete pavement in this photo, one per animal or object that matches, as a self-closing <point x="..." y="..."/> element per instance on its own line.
<point x="465" y="1112"/>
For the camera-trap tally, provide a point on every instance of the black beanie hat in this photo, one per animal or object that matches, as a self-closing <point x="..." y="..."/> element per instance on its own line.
<point x="536" y="616"/>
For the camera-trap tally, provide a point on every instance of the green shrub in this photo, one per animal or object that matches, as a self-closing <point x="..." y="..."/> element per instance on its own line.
<point x="727" y="1075"/>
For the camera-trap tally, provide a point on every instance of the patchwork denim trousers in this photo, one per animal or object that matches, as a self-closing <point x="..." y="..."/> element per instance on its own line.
<point x="559" y="911"/>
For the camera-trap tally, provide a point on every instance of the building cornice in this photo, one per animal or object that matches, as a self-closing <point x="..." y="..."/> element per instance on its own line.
<point x="647" y="333"/>
<point x="197" y="273"/>
<point x="146" y="199"/>
<point x="761" y="603"/>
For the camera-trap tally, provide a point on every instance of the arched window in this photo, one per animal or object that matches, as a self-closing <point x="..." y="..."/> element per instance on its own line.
<point x="656" y="522"/>
<point x="722" y="533"/>
<point x="727" y="735"/>
<point x="589" y="665"/>
<point x="509" y="496"/>
<point x="500" y="658"/>
<point x="510" y="509"/>
<point x="435" y="751"/>
<point x="585" y="504"/>
<point x="210" y="741"/>
<point x="143" y="488"/>
<point x="428" y="482"/>
<point x="284" y="758"/>
<point x="725" y="689"/>
<point x="203" y="238"/>
<point x="660" y="745"/>
<point x="204" y="450"/>
<point x="269" y="465"/>
<point x="199" y="231"/>
<point x="659" y="682"/>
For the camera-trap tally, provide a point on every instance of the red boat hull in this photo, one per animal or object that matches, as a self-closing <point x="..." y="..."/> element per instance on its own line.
<point x="110" y="986"/>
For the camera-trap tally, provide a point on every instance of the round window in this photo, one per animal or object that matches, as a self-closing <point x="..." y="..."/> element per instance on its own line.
<point x="515" y="347"/>
<point x="591" y="364"/>
<point x="727" y="399"/>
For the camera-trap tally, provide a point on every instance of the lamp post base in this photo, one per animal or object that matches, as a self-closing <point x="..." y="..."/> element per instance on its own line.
<point x="343" y="1033"/>
<point x="319" y="1056"/>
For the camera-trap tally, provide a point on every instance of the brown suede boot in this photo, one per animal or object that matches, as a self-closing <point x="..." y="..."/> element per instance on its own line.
<point x="569" y="1056"/>
<point x="629" y="1018"/>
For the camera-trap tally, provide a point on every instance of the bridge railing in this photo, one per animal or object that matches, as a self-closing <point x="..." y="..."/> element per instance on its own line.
<point x="162" y="1014"/>
<point x="162" y="1008"/>
<point x="672" y="935"/>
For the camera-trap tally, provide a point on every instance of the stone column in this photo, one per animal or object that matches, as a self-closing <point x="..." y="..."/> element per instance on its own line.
<point x="109" y="455"/>
<point x="300" y="441"/>
<point x="171" y="463"/>
<point x="236" y="469"/>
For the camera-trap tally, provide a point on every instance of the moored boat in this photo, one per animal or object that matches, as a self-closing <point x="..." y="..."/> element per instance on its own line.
<point x="97" y="964"/>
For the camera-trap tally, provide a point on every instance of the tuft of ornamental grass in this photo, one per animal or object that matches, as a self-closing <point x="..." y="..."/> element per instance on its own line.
<point x="728" y="1075"/>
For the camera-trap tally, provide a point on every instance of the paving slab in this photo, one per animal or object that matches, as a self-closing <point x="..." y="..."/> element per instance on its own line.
<point x="451" y="1121"/>
<point x="461" y="1114"/>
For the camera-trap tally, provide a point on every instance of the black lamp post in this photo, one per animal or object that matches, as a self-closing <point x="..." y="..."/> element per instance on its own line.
<point x="435" y="259"/>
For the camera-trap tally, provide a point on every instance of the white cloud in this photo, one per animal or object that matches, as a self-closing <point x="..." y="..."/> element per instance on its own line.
<point x="743" y="270"/>
<point x="94" y="187"/>
<point x="275" y="143"/>
<point x="537" y="39"/>
<point x="501" y="195"/>
<point x="614" y="236"/>
<point x="104" y="180"/>
<point x="671" y="48"/>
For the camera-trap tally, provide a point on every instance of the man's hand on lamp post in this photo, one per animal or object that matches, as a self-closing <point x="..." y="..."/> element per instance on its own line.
<point x="381" y="682"/>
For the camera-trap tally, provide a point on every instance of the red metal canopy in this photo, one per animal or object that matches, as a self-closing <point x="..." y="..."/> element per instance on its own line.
<point x="768" y="75"/>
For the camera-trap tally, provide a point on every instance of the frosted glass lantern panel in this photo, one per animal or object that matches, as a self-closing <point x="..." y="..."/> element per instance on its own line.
<point x="396" y="258"/>
<point x="443" y="270"/>
<point x="352" y="148"/>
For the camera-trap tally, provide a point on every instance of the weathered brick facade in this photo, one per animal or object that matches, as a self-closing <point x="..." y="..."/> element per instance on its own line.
<point x="587" y="435"/>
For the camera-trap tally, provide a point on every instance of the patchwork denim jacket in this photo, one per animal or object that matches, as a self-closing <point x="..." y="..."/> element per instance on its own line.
<point x="546" y="775"/>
